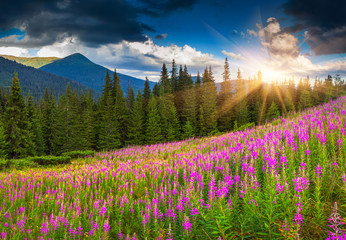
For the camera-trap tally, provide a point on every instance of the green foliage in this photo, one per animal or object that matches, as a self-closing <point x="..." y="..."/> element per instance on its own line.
<point x="49" y="160"/>
<point x="273" y="112"/>
<point x="136" y="129"/>
<point x="18" y="141"/>
<point x="153" y="129"/>
<point x="4" y="163"/>
<point x="79" y="154"/>
<point x="245" y="126"/>
<point x="23" y="163"/>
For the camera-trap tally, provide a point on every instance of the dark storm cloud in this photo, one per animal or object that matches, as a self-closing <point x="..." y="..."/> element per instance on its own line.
<point x="162" y="8"/>
<point x="324" y="21"/>
<point x="161" y="36"/>
<point x="91" y="22"/>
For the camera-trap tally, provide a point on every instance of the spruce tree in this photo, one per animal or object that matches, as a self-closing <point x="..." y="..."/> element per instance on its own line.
<point x="273" y="112"/>
<point x="121" y="111"/>
<point x="304" y="100"/>
<point x="136" y="132"/>
<point x="146" y="94"/>
<point x="153" y="125"/>
<point x="3" y="153"/>
<point x="208" y="103"/>
<point x="107" y="90"/>
<point x="18" y="142"/>
<point x="88" y="121"/>
<point x="130" y="99"/>
<point x="156" y="90"/>
<point x="165" y="83"/>
<point x="35" y="128"/>
<point x="110" y="136"/>
<point x="67" y="128"/>
<point x="225" y="101"/>
<point x="174" y="77"/>
<point x="169" y="118"/>
<point x="189" y="112"/>
<point x="47" y="119"/>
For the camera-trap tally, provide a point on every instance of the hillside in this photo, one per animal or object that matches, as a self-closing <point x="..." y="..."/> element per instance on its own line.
<point x="84" y="71"/>
<point x="35" y="81"/>
<point x="35" y="62"/>
<point x="282" y="179"/>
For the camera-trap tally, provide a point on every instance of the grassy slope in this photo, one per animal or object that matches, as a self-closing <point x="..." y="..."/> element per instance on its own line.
<point x="35" y="62"/>
<point x="243" y="184"/>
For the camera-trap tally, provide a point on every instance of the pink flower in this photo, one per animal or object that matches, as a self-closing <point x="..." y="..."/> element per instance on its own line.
<point x="186" y="224"/>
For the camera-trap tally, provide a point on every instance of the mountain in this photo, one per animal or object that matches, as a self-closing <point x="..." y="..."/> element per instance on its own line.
<point x="34" y="81"/>
<point x="35" y="62"/>
<point x="84" y="71"/>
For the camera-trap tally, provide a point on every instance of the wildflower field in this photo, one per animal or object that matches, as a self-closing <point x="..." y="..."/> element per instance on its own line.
<point x="282" y="180"/>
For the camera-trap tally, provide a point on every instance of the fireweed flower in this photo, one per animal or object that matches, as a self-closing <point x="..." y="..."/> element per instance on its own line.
<point x="300" y="183"/>
<point x="307" y="152"/>
<point x="44" y="228"/>
<point x="302" y="166"/>
<point x="318" y="171"/>
<point x="339" y="142"/>
<point x="186" y="224"/>
<point x="335" y="221"/>
<point x="194" y="211"/>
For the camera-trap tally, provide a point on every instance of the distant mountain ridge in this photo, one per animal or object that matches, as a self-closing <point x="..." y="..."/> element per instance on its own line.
<point x="34" y="81"/>
<point x="81" y="69"/>
<point x="35" y="62"/>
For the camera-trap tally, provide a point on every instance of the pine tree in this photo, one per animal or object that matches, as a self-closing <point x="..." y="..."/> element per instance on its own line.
<point x="130" y="99"/>
<point x="241" y="108"/>
<point x="146" y="94"/>
<point x="110" y="136"/>
<point x="107" y="90"/>
<point x="18" y="142"/>
<point x="174" y="77"/>
<point x="188" y="130"/>
<point x="208" y="103"/>
<point x="136" y="131"/>
<point x="3" y="153"/>
<point x="165" y="83"/>
<point x="153" y="129"/>
<point x="225" y="101"/>
<point x="35" y="128"/>
<point x="273" y="112"/>
<point x="304" y="100"/>
<point x="179" y="94"/>
<point x="169" y="118"/>
<point x="189" y="112"/>
<point x="47" y="120"/>
<point x="88" y="122"/>
<point x="67" y="127"/>
<point x="156" y="90"/>
<point x="121" y="111"/>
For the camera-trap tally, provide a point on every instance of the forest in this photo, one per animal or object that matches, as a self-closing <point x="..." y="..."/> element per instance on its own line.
<point x="176" y="108"/>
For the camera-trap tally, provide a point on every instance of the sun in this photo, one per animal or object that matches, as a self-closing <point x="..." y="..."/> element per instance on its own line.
<point x="270" y="75"/>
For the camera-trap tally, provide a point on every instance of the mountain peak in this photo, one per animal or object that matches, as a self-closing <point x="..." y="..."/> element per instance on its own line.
<point x="76" y="56"/>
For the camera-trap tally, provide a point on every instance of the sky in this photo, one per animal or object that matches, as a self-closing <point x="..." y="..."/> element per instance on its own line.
<point x="279" y="37"/>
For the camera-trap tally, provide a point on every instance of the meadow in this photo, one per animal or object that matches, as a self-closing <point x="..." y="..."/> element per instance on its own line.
<point x="282" y="180"/>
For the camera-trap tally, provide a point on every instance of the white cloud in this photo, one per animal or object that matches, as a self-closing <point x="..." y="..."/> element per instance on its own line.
<point x="285" y="54"/>
<point x="142" y="58"/>
<point x="251" y="33"/>
<point x="15" y="51"/>
<point x="233" y="55"/>
<point x="279" y="44"/>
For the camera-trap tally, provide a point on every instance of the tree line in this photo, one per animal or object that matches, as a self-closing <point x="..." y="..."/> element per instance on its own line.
<point x="176" y="108"/>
